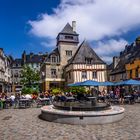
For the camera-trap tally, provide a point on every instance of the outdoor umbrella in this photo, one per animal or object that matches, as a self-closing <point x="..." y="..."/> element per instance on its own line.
<point x="85" y="83"/>
<point x="74" y="84"/>
<point x="131" y="82"/>
<point x="128" y="82"/>
<point x="119" y="83"/>
<point x="89" y="83"/>
<point x="107" y="83"/>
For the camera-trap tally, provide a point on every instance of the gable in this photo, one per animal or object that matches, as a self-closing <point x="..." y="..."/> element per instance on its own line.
<point x="84" y="53"/>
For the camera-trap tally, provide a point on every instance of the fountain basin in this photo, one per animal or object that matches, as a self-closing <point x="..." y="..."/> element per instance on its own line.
<point x="81" y="106"/>
<point x="53" y="114"/>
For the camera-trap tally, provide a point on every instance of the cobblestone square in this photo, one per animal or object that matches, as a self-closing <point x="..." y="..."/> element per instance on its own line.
<point x="24" y="124"/>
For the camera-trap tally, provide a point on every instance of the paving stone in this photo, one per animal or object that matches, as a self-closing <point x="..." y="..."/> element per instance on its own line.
<point x="24" y="124"/>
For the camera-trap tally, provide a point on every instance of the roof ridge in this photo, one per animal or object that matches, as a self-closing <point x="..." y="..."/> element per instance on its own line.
<point x="89" y="50"/>
<point x="68" y="29"/>
<point x="76" y="51"/>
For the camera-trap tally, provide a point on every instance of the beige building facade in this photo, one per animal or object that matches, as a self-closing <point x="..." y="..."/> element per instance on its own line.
<point x="70" y="63"/>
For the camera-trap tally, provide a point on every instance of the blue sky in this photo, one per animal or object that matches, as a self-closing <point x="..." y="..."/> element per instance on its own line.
<point x="32" y="25"/>
<point x="14" y="28"/>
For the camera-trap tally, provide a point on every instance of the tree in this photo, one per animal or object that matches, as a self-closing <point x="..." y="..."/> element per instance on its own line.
<point x="29" y="76"/>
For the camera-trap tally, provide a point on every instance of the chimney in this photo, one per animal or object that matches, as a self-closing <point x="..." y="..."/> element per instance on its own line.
<point x="115" y="61"/>
<point x="74" y="26"/>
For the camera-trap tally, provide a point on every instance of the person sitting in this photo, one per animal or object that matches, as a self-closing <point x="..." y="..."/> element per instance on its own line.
<point x="101" y="97"/>
<point x="41" y="96"/>
<point x="111" y="94"/>
<point x="81" y="97"/>
<point x="63" y="97"/>
<point x="132" y="98"/>
<point x="28" y="96"/>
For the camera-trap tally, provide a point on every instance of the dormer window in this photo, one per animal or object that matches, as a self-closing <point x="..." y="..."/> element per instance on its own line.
<point x="88" y="60"/>
<point x="69" y="37"/>
<point x="53" y="59"/>
<point x="68" y="53"/>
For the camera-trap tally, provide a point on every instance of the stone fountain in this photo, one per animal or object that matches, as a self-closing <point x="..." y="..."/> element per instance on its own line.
<point x="82" y="112"/>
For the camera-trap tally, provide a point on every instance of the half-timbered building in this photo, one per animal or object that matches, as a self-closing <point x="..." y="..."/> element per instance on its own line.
<point x="70" y="63"/>
<point x="85" y="65"/>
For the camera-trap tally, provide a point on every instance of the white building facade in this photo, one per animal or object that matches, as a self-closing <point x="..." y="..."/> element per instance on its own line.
<point x="5" y="72"/>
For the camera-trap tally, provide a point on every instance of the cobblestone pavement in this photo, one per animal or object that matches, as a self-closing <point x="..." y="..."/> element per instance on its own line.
<point x="24" y="124"/>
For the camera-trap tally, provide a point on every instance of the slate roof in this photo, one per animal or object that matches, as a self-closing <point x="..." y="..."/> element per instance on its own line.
<point x="17" y="62"/>
<point x="34" y="58"/>
<point x="85" y="51"/>
<point x="68" y="30"/>
<point x="55" y="51"/>
<point x="130" y="53"/>
<point x="110" y="66"/>
<point x="120" y="68"/>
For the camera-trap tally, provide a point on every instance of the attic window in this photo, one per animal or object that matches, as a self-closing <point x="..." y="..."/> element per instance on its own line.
<point x="53" y="59"/>
<point x="68" y="53"/>
<point x="88" y="60"/>
<point x="69" y="37"/>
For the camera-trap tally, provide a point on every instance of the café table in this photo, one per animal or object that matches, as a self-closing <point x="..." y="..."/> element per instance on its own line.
<point x="24" y="103"/>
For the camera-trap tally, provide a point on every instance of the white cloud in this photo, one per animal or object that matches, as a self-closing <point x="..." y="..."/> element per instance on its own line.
<point x="96" y="19"/>
<point x="48" y="44"/>
<point x="107" y="49"/>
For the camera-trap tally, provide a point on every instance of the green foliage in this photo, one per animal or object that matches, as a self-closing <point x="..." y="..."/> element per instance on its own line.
<point x="29" y="76"/>
<point x="56" y="91"/>
<point x="26" y="90"/>
<point x="76" y="90"/>
<point x="30" y="90"/>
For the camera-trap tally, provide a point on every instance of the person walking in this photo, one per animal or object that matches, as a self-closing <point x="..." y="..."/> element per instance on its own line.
<point x="122" y="94"/>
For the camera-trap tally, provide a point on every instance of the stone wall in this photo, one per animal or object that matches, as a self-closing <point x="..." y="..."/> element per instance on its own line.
<point x="63" y="47"/>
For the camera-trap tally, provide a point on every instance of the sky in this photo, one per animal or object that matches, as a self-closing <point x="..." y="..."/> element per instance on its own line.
<point x="33" y="25"/>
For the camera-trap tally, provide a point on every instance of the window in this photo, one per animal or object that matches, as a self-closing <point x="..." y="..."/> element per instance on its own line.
<point x="53" y="73"/>
<point x="69" y="75"/>
<point x="69" y="37"/>
<point x="53" y="59"/>
<point x="137" y="72"/>
<point x="94" y="74"/>
<point x="88" y="60"/>
<point x="84" y="74"/>
<point x="130" y="74"/>
<point x="113" y="77"/>
<point x="123" y="76"/>
<point x="68" y="53"/>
